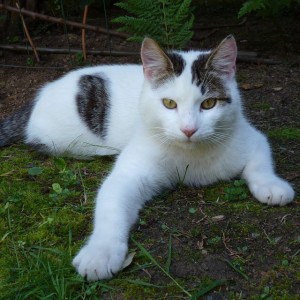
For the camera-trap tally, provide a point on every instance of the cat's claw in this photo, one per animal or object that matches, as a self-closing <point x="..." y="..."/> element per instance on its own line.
<point x="275" y="192"/>
<point x="97" y="261"/>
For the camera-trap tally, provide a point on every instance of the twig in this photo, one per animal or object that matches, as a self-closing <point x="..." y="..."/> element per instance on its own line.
<point x="254" y="60"/>
<point x="28" y="35"/>
<point x="63" y="51"/>
<point x="231" y="251"/>
<point x="86" y="7"/>
<point x="62" y="21"/>
<point x="205" y="36"/>
<point x="200" y="27"/>
<point x="32" y="67"/>
<point x="249" y="58"/>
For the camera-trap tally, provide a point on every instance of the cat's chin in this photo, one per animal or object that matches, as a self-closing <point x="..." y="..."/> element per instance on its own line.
<point x="186" y="144"/>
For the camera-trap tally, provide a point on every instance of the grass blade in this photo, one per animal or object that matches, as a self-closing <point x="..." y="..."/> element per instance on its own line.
<point x="207" y="289"/>
<point x="144" y="283"/>
<point x="236" y="269"/>
<point x="169" y="259"/>
<point x="151" y="258"/>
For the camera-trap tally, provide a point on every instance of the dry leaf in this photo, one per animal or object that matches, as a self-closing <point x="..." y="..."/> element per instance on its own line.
<point x="249" y="86"/>
<point x="277" y="89"/>
<point x="218" y="218"/>
<point x="128" y="260"/>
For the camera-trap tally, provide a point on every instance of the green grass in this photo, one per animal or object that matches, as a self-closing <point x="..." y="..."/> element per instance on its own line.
<point x="287" y="133"/>
<point x="46" y="211"/>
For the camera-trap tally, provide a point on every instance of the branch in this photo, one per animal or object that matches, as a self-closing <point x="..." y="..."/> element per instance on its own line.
<point x="243" y="56"/>
<point x="62" y="21"/>
<point x="86" y="7"/>
<point x="63" y="51"/>
<point x="198" y="39"/>
<point x="28" y="35"/>
<point x="200" y="27"/>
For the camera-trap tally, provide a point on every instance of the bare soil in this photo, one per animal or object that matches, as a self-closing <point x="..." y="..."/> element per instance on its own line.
<point x="272" y="102"/>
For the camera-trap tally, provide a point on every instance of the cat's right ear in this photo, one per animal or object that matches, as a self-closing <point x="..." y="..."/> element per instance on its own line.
<point x="157" y="66"/>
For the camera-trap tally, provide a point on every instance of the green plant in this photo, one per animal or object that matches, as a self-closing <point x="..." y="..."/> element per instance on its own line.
<point x="68" y="179"/>
<point x="169" y="22"/>
<point x="29" y="61"/>
<point x="266" y="7"/>
<point x="236" y="192"/>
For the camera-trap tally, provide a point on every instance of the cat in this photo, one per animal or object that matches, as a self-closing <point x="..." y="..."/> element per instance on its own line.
<point x="178" y="115"/>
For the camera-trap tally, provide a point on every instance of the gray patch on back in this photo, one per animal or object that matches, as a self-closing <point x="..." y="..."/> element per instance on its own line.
<point x="13" y="128"/>
<point x="93" y="102"/>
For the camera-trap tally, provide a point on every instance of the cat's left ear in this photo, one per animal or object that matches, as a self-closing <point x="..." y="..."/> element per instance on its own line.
<point x="157" y="66"/>
<point x="223" y="58"/>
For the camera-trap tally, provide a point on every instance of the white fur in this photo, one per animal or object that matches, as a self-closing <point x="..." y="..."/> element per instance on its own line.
<point x="155" y="152"/>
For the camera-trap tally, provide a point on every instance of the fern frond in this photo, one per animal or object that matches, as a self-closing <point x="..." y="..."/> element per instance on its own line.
<point x="169" y="22"/>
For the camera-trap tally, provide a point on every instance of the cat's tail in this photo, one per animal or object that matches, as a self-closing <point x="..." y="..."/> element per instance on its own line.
<point x="12" y="129"/>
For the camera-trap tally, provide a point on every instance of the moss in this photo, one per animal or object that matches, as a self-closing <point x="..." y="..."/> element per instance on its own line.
<point x="286" y="133"/>
<point x="39" y="234"/>
<point x="261" y="106"/>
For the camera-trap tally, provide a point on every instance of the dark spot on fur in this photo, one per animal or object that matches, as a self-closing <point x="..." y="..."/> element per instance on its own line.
<point x="178" y="62"/>
<point x="93" y="102"/>
<point x="174" y="67"/>
<point x="198" y="70"/>
<point x="208" y="79"/>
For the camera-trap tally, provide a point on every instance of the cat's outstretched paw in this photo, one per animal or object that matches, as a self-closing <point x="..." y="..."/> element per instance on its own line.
<point x="274" y="192"/>
<point x="97" y="261"/>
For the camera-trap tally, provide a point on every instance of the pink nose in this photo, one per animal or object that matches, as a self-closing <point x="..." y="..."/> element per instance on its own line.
<point x="188" y="132"/>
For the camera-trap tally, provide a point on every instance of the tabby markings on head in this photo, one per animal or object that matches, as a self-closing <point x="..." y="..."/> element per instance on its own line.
<point x="93" y="102"/>
<point x="206" y="78"/>
<point x="174" y="67"/>
<point x="178" y="63"/>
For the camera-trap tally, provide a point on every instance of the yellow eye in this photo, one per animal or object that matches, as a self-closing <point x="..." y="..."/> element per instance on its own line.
<point x="169" y="103"/>
<point x="209" y="103"/>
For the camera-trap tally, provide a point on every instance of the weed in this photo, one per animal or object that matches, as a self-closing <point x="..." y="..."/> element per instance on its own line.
<point x="29" y="61"/>
<point x="237" y="266"/>
<point x="237" y="191"/>
<point x="181" y="178"/>
<point x="214" y="240"/>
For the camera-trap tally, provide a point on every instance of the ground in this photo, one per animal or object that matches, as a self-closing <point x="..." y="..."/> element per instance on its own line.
<point x="215" y="242"/>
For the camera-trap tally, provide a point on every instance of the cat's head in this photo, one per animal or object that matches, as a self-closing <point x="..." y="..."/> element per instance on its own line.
<point x="190" y="97"/>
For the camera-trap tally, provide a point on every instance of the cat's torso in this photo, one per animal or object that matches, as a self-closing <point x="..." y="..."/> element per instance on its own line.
<point x="55" y="118"/>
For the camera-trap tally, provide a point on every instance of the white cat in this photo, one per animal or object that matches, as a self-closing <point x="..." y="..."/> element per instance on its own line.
<point x="178" y="116"/>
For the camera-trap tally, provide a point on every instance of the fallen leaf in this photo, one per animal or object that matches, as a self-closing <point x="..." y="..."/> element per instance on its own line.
<point x="249" y="86"/>
<point x="128" y="260"/>
<point x="277" y="89"/>
<point x="218" y="218"/>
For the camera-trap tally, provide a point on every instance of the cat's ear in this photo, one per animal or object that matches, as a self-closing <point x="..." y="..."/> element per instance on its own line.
<point x="222" y="59"/>
<point x="157" y="66"/>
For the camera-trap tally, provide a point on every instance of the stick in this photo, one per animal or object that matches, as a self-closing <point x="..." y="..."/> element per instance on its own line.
<point x="28" y="35"/>
<point x="199" y="27"/>
<point x="255" y="60"/>
<point x="83" y="32"/>
<point x="242" y="57"/>
<point x="205" y="36"/>
<point x="62" y="21"/>
<point x="63" y="51"/>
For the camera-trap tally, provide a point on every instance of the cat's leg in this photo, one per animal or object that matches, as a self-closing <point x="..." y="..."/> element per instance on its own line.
<point x="134" y="180"/>
<point x="262" y="181"/>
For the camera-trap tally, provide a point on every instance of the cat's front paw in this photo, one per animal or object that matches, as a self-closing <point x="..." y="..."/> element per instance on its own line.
<point x="273" y="192"/>
<point x="100" y="260"/>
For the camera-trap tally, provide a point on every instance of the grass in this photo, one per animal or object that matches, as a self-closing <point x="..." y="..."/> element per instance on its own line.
<point x="286" y="133"/>
<point x="46" y="210"/>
